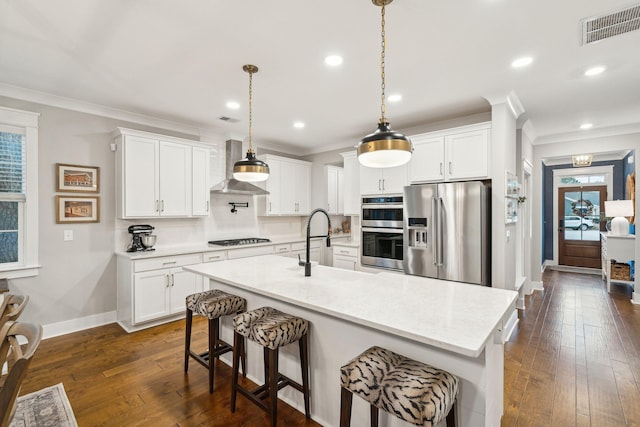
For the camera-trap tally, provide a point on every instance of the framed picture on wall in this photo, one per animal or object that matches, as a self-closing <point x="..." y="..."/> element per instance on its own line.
<point x="77" y="209"/>
<point x="76" y="178"/>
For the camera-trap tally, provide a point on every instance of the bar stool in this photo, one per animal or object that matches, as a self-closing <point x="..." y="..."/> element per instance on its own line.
<point x="271" y="329"/>
<point x="412" y="391"/>
<point x="212" y="304"/>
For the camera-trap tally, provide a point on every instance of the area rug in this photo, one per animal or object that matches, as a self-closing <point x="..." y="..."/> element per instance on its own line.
<point x="46" y="407"/>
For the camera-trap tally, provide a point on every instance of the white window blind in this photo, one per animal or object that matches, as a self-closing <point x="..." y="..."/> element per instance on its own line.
<point x="12" y="164"/>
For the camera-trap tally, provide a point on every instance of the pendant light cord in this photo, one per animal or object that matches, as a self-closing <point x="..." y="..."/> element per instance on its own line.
<point x="383" y="108"/>
<point x="250" y="111"/>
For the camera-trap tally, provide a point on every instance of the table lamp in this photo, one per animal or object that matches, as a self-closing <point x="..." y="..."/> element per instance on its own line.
<point x="619" y="209"/>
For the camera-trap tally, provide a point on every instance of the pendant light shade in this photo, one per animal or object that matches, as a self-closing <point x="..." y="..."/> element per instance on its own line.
<point x="250" y="169"/>
<point x="384" y="148"/>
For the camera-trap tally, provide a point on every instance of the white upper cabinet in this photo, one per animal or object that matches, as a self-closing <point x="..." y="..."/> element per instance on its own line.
<point x="200" y="181"/>
<point x="335" y="189"/>
<point x="158" y="176"/>
<point x="351" y="183"/>
<point x="289" y="187"/>
<point x="427" y="160"/>
<point x="451" y="155"/>
<point x="174" y="179"/>
<point x="383" y="180"/>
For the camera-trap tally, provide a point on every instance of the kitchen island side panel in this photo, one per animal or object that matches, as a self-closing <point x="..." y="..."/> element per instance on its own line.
<point x="334" y="341"/>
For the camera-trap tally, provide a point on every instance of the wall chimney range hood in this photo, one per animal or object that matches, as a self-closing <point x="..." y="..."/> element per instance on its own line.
<point x="230" y="185"/>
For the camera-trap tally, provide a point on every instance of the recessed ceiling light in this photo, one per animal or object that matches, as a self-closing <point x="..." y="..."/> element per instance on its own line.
<point x="585" y="126"/>
<point x="594" y="71"/>
<point x="333" y="60"/>
<point x="233" y="105"/>
<point x="298" y="125"/>
<point x="396" y="97"/>
<point x="522" y="62"/>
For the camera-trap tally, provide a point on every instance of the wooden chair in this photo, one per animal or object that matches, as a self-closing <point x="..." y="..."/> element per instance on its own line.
<point x="17" y="358"/>
<point x="11" y="307"/>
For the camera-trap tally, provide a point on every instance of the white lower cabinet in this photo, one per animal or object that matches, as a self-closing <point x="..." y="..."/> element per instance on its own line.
<point x="300" y="248"/>
<point x="153" y="290"/>
<point x="345" y="257"/>
<point x="161" y="293"/>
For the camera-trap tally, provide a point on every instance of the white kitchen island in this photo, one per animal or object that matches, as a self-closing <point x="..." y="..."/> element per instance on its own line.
<point x="452" y="326"/>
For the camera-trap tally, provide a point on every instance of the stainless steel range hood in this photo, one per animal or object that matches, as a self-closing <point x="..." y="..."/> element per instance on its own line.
<point x="230" y="185"/>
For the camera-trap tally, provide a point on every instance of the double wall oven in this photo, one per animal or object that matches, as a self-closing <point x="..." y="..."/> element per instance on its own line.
<point x="382" y="222"/>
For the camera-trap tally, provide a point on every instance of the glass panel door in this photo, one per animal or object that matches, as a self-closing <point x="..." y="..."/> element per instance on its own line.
<point x="580" y="226"/>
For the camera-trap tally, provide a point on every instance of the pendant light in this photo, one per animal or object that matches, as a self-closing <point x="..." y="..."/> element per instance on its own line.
<point x="250" y="169"/>
<point x="384" y="148"/>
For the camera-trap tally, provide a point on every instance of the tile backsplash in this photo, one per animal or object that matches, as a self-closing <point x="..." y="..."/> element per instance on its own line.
<point x="221" y="224"/>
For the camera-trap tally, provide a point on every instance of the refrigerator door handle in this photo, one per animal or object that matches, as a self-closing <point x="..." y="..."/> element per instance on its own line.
<point x="440" y="233"/>
<point x="434" y="210"/>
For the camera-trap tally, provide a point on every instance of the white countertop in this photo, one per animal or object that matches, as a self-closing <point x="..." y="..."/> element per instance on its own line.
<point x="447" y="315"/>
<point x="205" y="247"/>
<point x="617" y="236"/>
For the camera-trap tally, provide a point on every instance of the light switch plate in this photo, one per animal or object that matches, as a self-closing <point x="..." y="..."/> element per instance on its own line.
<point x="68" y="235"/>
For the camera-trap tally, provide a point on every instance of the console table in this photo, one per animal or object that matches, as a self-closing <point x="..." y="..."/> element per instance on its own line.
<point x="621" y="249"/>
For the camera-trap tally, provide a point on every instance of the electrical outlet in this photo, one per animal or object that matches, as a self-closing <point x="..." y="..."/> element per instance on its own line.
<point x="68" y="235"/>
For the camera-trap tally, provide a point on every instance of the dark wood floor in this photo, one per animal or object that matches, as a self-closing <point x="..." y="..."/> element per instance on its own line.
<point x="574" y="360"/>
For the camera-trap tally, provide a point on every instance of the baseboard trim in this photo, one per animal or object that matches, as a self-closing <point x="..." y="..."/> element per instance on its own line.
<point x="535" y="286"/>
<point x="68" y="326"/>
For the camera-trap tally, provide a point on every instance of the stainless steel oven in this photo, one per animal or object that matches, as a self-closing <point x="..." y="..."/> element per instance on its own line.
<point x="382" y="233"/>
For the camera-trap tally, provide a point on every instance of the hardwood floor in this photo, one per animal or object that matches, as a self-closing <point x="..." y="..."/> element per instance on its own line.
<point x="574" y="360"/>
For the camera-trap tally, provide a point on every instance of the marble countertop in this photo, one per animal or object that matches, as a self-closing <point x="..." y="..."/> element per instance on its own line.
<point x="453" y="316"/>
<point x="205" y="247"/>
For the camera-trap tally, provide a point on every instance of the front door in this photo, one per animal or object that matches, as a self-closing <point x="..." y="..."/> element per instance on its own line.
<point x="579" y="223"/>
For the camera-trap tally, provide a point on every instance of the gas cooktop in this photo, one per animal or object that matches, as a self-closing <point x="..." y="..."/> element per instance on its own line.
<point x="236" y="242"/>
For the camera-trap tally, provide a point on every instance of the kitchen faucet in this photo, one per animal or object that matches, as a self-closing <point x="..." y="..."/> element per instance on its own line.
<point x="307" y="264"/>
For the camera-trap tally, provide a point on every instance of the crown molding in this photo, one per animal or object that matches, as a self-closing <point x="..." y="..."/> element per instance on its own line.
<point x="511" y="99"/>
<point x="51" y="100"/>
<point x="588" y="134"/>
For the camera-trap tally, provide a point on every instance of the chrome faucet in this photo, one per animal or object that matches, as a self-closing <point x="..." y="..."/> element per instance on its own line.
<point x="307" y="264"/>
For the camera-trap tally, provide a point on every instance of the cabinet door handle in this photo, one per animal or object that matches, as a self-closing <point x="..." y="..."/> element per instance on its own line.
<point x="344" y="252"/>
<point x="269" y="206"/>
<point x="161" y="205"/>
<point x="441" y="171"/>
<point x="157" y="208"/>
<point x="167" y="277"/>
<point x="382" y="184"/>
<point x="379" y="184"/>
<point x="169" y="262"/>
<point x="207" y="206"/>
<point x="450" y="168"/>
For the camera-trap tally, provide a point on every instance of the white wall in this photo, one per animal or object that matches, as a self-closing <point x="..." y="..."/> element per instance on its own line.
<point x="78" y="278"/>
<point x="503" y="155"/>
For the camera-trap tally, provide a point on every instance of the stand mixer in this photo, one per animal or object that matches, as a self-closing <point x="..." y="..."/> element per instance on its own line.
<point x="141" y="238"/>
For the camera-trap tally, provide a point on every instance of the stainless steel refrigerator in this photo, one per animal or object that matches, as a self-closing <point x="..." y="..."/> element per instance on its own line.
<point x="447" y="231"/>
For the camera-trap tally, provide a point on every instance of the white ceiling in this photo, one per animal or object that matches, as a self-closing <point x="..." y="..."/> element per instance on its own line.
<point x="181" y="61"/>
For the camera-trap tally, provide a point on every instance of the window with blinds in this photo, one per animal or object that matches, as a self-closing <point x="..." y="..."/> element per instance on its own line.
<point x="12" y="192"/>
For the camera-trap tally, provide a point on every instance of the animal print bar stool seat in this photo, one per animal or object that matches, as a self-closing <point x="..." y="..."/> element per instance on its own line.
<point x="271" y="329"/>
<point x="212" y="304"/>
<point x="412" y="391"/>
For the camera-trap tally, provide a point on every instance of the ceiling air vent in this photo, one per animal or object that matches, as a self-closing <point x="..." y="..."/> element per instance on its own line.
<point x="228" y="119"/>
<point x="603" y="27"/>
